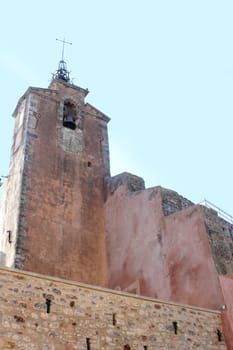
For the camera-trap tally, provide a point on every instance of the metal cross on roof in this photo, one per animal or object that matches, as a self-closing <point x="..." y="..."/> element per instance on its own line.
<point x="63" y="42"/>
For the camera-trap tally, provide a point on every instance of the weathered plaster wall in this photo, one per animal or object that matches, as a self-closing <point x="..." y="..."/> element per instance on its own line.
<point x="134" y="229"/>
<point x="60" y="230"/>
<point x="109" y="320"/>
<point x="192" y="273"/>
<point x="160" y="256"/>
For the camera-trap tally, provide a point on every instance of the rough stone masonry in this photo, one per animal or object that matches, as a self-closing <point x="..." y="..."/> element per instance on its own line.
<point x="45" y="313"/>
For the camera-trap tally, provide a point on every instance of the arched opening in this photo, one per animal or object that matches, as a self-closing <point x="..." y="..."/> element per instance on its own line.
<point x="69" y="115"/>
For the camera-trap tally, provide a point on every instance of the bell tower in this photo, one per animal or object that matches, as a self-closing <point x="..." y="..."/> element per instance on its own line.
<point x="52" y="219"/>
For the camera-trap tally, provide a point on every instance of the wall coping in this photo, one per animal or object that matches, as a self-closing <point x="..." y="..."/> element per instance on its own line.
<point x="105" y="290"/>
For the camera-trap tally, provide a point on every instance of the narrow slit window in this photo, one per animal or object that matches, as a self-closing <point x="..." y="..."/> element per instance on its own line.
<point x="219" y="334"/>
<point x="48" y="305"/>
<point x="175" y="326"/>
<point x="114" y="319"/>
<point x="88" y="342"/>
<point x="9" y="236"/>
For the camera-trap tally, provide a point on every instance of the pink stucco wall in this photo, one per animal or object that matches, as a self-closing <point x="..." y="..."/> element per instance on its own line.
<point x="167" y="257"/>
<point x="192" y="273"/>
<point x="134" y="226"/>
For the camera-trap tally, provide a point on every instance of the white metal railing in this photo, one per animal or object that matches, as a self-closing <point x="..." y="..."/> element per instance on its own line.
<point x="221" y="213"/>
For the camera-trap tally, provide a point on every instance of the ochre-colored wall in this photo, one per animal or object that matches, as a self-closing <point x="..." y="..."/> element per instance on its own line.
<point x="64" y="208"/>
<point x="78" y="312"/>
<point x="60" y="230"/>
<point x="168" y="257"/>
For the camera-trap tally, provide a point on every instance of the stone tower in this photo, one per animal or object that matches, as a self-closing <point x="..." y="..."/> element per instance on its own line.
<point x="52" y="211"/>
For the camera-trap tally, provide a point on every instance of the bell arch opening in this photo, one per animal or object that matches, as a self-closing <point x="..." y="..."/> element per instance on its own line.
<point x="69" y="115"/>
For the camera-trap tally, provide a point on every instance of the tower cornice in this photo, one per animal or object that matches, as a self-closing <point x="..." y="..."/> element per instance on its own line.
<point x="27" y="92"/>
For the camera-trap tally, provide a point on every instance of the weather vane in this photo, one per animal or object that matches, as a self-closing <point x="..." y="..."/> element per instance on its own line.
<point x="62" y="72"/>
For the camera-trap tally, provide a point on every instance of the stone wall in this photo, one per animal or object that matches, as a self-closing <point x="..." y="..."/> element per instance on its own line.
<point x="220" y="234"/>
<point x="43" y="313"/>
<point x="132" y="182"/>
<point x="173" y="202"/>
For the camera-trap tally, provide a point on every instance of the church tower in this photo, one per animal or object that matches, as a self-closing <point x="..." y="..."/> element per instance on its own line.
<point x="52" y="209"/>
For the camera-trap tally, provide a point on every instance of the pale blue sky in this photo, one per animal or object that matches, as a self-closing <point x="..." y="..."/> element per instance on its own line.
<point x="161" y="70"/>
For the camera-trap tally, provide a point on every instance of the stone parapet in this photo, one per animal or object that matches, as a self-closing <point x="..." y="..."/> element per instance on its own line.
<point x="173" y="202"/>
<point x="132" y="182"/>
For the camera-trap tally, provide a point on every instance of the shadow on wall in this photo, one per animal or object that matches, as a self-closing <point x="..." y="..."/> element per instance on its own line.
<point x="2" y="258"/>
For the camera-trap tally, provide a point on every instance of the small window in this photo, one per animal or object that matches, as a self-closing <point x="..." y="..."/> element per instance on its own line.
<point x="69" y="115"/>
<point x="114" y="322"/>
<point x="175" y="327"/>
<point x="48" y="305"/>
<point x="219" y="334"/>
<point x="9" y="236"/>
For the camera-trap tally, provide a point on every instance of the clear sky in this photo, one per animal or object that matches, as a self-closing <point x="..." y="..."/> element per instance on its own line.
<point x="162" y="70"/>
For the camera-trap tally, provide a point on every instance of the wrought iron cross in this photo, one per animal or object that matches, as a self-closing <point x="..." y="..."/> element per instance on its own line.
<point x="64" y="42"/>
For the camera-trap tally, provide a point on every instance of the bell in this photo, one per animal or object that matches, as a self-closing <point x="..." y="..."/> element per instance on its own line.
<point x="69" y="122"/>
